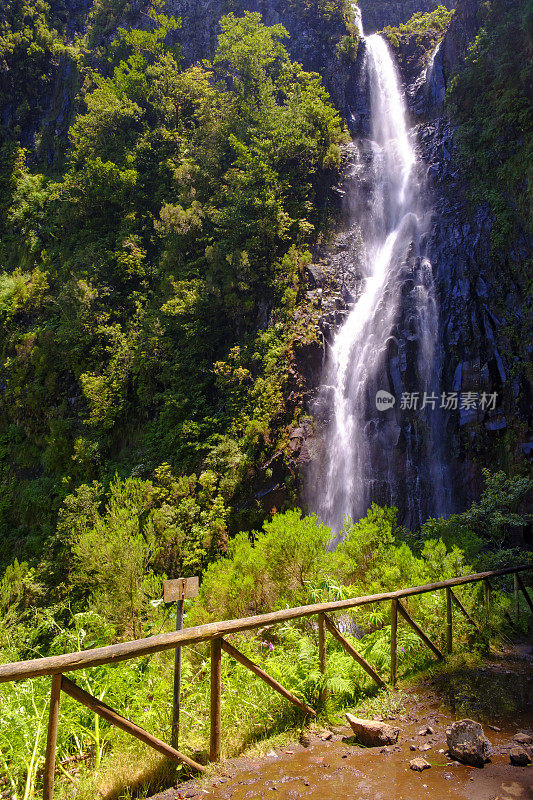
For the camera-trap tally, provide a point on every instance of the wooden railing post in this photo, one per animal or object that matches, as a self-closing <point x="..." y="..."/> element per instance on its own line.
<point x="516" y="597"/>
<point x="393" y="641"/>
<point x="216" y="689"/>
<point x="449" y="620"/>
<point x="322" y="652"/>
<point x="51" y="742"/>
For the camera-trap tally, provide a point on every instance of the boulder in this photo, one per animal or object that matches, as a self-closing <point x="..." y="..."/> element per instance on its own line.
<point x="372" y="733"/>
<point x="468" y="744"/>
<point x="519" y="757"/>
<point x="419" y="764"/>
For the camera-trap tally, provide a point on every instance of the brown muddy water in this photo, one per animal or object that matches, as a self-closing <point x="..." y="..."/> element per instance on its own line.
<point x="497" y="694"/>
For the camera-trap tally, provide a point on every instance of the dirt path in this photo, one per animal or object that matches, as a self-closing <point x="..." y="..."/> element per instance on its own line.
<point x="498" y="694"/>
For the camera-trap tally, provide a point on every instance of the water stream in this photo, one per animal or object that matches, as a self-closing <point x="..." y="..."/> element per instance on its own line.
<point x="394" y="317"/>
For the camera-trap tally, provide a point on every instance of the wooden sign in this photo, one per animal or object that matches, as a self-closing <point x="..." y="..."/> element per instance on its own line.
<point x="180" y="589"/>
<point x="176" y="591"/>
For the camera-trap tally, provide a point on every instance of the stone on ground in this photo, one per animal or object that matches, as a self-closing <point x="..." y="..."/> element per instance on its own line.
<point x="519" y="757"/>
<point x="523" y="738"/>
<point x="419" y="764"/>
<point x="372" y="733"/>
<point x="468" y="744"/>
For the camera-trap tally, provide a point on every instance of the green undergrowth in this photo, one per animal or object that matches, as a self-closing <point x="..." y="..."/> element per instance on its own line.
<point x="285" y="564"/>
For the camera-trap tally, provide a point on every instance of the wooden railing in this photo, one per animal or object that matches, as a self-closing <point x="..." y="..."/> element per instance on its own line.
<point x="56" y="666"/>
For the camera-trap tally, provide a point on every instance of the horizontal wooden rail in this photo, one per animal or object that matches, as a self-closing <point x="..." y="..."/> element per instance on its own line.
<point x="112" y="654"/>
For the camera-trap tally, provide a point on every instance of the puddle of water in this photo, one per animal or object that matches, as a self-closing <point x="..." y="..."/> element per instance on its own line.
<point x="489" y="692"/>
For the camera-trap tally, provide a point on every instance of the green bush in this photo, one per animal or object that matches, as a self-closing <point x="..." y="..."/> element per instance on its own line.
<point x="347" y="49"/>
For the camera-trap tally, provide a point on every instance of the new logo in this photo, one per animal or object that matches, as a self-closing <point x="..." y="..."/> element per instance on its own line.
<point x="384" y="400"/>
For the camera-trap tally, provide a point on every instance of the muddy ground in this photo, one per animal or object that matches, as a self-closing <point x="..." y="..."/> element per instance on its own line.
<point x="326" y="763"/>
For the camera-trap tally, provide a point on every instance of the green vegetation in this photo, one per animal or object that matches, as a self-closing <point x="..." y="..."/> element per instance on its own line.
<point x="109" y="556"/>
<point x="425" y="28"/>
<point x="347" y="48"/>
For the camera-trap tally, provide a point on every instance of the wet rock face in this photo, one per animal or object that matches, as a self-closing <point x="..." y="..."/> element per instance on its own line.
<point x="371" y="733"/>
<point x="426" y="92"/>
<point x="468" y="744"/>
<point x="476" y="353"/>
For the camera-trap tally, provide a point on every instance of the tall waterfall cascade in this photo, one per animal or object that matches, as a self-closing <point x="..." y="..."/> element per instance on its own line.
<point x="389" y="340"/>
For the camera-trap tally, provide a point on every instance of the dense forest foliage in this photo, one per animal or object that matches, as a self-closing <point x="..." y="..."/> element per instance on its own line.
<point x="140" y="281"/>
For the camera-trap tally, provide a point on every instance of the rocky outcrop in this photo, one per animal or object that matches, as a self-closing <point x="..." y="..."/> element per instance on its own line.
<point x="414" y="53"/>
<point x="462" y="31"/>
<point x="379" y="13"/>
<point x="427" y="92"/>
<point x="468" y="744"/>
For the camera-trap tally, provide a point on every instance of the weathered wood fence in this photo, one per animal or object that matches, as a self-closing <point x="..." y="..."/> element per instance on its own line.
<point x="56" y="666"/>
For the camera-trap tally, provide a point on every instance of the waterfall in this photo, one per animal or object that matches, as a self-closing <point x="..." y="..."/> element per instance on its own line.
<point x="394" y="313"/>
